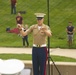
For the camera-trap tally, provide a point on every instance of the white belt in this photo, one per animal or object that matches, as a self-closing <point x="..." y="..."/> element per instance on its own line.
<point x="43" y="45"/>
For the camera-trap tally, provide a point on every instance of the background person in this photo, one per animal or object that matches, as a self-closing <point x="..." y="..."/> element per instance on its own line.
<point x="14" y="30"/>
<point x="19" y="19"/>
<point x="13" y="6"/>
<point x="40" y="33"/>
<point x="25" y="38"/>
<point x="70" y="31"/>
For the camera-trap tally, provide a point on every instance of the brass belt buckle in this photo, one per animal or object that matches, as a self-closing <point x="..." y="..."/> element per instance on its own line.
<point x="38" y="46"/>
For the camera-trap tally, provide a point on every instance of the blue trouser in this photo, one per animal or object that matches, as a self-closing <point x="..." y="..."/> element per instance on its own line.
<point x="25" y="38"/>
<point x="39" y="57"/>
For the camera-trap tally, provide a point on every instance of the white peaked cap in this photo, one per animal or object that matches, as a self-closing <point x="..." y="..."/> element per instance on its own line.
<point x="40" y="14"/>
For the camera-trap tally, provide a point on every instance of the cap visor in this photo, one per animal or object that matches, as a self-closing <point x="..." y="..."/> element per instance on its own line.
<point x="39" y="18"/>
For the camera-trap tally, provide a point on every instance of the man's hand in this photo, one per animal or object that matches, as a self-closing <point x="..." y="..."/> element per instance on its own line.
<point x="19" y="26"/>
<point x="47" y="32"/>
<point x="43" y="29"/>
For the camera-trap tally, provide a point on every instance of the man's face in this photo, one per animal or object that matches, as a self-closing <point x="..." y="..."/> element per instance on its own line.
<point x="40" y="21"/>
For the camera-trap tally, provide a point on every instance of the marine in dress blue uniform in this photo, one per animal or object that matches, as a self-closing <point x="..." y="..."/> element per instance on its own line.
<point x="39" y="50"/>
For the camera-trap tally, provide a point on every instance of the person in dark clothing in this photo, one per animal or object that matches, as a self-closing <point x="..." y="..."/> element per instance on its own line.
<point x="13" y="6"/>
<point x="70" y="31"/>
<point x="25" y="38"/>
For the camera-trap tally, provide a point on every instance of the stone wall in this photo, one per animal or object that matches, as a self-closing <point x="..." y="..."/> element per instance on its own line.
<point x="65" y="68"/>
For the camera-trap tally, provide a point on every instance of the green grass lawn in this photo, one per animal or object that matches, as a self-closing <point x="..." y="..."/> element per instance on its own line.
<point x="29" y="57"/>
<point x="61" y="12"/>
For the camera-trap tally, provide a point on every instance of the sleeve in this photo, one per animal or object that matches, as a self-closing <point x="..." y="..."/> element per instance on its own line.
<point x="29" y="30"/>
<point x="48" y="28"/>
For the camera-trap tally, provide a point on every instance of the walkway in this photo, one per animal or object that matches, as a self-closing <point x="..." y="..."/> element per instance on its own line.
<point x="61" y="52"/>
